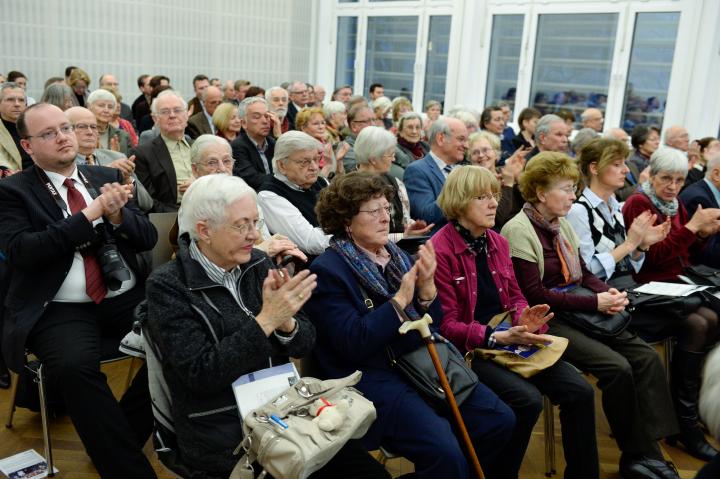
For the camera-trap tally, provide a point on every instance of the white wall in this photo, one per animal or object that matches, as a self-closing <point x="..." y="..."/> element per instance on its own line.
<point x="265" y="41"/>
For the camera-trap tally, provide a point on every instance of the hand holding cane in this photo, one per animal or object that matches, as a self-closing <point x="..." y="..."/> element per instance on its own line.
<point x="422" y="325"/>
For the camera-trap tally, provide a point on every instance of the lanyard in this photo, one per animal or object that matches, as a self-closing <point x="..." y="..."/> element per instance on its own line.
<point x="56" y="195"/>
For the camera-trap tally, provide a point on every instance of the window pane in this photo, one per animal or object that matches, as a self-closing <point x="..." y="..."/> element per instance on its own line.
<point x="390" y="54"/>
<point x="345" y="59"/>
<point x="504" y="58"/>
<point x="573" y="59"/>
<point x="437" y="58"/>
<point x="650" y="65"/>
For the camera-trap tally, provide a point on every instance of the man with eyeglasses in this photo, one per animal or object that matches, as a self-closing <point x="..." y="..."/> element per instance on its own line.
<point x="550" y="135"/>
<point x="58" y="304"/>
<point x="163" y="164"/>
<point x="201" y="122"/>
<point x="12" y="103"/>
<point x="254" y="147"/>
<point x="299" y="98"/>
<point x="86" y="132"/>
<point x="359" y="117"/>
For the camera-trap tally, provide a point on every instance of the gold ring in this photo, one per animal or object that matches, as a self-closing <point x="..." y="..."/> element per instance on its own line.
<point x="300" y="297"/>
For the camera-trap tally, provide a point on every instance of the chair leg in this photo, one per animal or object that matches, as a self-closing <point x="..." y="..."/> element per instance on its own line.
<point x="45" y="420"/>
<point x="14" y="380"/>
<point x="549" y="432"/>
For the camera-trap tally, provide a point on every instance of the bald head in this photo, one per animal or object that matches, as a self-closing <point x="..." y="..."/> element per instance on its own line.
<point x="592" y="118"/>
<point x="617" y="134"/>
<point x="211" y="98"/>
<point x="677" y="137"/>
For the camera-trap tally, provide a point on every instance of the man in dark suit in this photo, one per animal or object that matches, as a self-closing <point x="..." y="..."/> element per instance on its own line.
<point x="201" y="122"/>
<point x="425" y="178"/>
<point x="58" y="303"/>
<point x="141" y="105"/>
<point x="298" y="92"/>
<point x="706" y="193"/>
<point x="200" y="83"/>
<point x="163" y="165"/>
<point x="253" y="149"/>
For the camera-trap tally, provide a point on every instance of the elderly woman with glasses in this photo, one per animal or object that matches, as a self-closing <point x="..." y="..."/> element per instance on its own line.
<point x="288" y="198"/>
<point x="102" y="103"/>
<point x="221" y="310"/>
<point x="475" y="282"/>
<point x="544" y="249"/>
<point x="664" y="261"/>
<point x="312" y="122"/>
<point x="410" y="146"/>
<point x="365" y="286"/>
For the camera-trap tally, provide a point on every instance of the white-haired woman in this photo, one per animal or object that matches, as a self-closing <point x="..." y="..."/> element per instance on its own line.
<point x="221" y="310"/>
<point x="102" y="103"/>
<point x="335" y="121"/>
<point x="375" y="153"/>
<point x="410" y="146"/>
<point x="381" y="106"/>
<point x="664" y="261"/>
<point x="288" y="197"/>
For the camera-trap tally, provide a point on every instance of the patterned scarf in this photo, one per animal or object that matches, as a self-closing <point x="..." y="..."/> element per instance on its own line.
<point x="415" y="148"/>
<point x="368" y="274"/>
<point x="477" y="245"/>
<point x="569" y="260"/>
<point x="668" y="208"/>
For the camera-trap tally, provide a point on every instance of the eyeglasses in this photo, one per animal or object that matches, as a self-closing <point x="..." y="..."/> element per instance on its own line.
<point x="389" y="156"/>
<point x="481" y="151"/>
<point x="171" y="111"/>
<point x="363" y="122"/>
<point x="215" y="164"/>
<point x="245" y="227"/>
<point x="487" y="197"/>
<point x="306" y="162"/>
<point x="667" y="180"/>
<point x="85" y="126"/>
<point x="376" y="212"/>
<point x="569" y="190"/>
<point x="52" y="134"/>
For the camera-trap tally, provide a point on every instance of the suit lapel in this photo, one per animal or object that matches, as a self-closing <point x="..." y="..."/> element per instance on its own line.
<point x="35" y="184"/>
<point x="165" y="161"/>
<point x="434" y="170"/>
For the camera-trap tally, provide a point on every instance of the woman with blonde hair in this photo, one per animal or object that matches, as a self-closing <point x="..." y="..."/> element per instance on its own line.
<point x="226" y="121"/>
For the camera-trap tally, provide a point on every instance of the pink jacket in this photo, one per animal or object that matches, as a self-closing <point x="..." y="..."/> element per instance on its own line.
<point x="457" y="285"/>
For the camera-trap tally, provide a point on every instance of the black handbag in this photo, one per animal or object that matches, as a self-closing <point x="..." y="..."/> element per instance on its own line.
<point x="676" y="306"/>
<point x="417" y="367"/>
<point x="703" y="275"/>
<point x="595" y="324"/>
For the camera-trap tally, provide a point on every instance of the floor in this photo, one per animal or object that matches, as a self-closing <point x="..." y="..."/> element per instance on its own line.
<point x="72" y="461"/>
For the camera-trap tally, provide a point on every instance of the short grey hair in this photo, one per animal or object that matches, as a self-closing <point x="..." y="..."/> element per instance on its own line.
<point x="373" y="142"/>
<point x="668" y="160"/>
<point x="163" y="94"/>
<point x="291" y="86"/>
<point x="437" y="127"/>
<point x="466" y="116"/>
<point x="411" y="115"/>
<point x="710" y="391"/>
<point x="10" y="85"/>
<point x="583" y="137"/>
<point x="57" y="93"/>
<point x="242" y="108"/>
<point x="713" y="162"/>
<point x="543" y="125"/>
<point x="290" y="142"/>
<point x="208" y="198"/>
<point x="491" y="138"/>
<point x="269" y="92"/>
<point x="382" y="102"/>
<point x="100" y="95"/>
<point x="333" y="107"/>
<point x="197" y="150"/>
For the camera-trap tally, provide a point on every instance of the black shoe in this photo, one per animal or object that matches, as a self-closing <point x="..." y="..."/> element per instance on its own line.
<point x="642" y="467"/>
<point x="694" y="442"/>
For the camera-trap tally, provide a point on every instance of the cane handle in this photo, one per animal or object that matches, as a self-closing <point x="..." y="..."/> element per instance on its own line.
<point x="422" y="325"/>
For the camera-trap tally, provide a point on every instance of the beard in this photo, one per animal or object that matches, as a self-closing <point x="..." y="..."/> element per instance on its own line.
<point x="280" y="112"/>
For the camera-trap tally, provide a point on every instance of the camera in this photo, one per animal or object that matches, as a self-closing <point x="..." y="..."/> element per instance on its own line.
<point x="112" y="265"/>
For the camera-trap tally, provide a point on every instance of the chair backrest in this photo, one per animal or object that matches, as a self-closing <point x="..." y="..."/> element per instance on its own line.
<point x="163" y="250"/>
<point x="159" y="391"/>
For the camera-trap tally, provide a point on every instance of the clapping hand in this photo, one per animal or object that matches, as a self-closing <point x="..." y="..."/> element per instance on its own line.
<point x="418" y="228"/>
<point x="533" y="318"/>
<point x="283" y="296"/>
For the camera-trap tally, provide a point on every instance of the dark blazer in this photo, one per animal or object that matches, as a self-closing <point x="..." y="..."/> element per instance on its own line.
<point x="140" y="108"/>
<point x="291" y="114"/>
<point x="248" y="164"/>
<point x="155" y="170"/>
<point x="699" y="194"/>
<point x="38" y="245"/>
<point x="424" y="181"/>
<point x="198" y="125"/>
<point x="350" y="337"/>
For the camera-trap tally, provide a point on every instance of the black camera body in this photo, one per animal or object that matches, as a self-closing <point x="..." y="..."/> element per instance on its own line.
<point x="112" y="265"/>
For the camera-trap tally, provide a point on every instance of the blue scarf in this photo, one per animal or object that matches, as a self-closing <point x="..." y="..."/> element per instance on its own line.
<point x="367" y="273"/>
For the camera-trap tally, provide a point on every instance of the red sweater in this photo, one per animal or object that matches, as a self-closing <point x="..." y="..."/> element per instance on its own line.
<point x="666" y="259"/>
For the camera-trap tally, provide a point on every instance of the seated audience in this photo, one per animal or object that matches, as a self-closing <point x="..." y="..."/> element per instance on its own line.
<point x="201" y="122"/>
<point x="226" y="121"/>
<point x="665" y="260"/>
<point x="526" y="136"/>
<point x="493" y="120"/>
<point x="13" y="156"/>
<point x="410" y="145"/>
<point x="706" y="147"/>
<point x="433" y="109"/>
<point x="592" y="118"/>
<point x="550" y="135"/>
<point x="424" y="178"/>
<point x="352" y="335"/>
<point x="141" y="105"/>
<point x="79" y="81"/>
<point x="121" y="123"/>
<point x="469" y="119"/>
<point x="645" y="140"/>
<point x="60" y="95"/>
<point x="582" y="138"/>
<point x="253" y="148"/>
<point x="312" y="121"/>
<point x="706" y="194"/>
<point x="200" y="83"/>
<point x="335" y="121"/>
<point x="277" y="98"/>
<point x="288" y="197"/>
<point x="469" y="253"/>
<point x="545" y="257"/>
<point x="381" y="106"/>
<point x="102" y="103"/>
<point x="218" y="312"/>
<point x="67" y="304"/>
<point x="400" y="106"/>
<point x="298" y="93"/>
<point x="342" y="94"/>
<point x="359" y="117"/>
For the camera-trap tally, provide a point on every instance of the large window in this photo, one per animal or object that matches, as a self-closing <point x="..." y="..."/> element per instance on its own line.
<point x="649" y="72"/>
<point x="345" y="57"/>
<point x="390" y="54"/>
<point x="573" y="57"/>
<point x="502" y="80"/>
<point x="437" y="58"/>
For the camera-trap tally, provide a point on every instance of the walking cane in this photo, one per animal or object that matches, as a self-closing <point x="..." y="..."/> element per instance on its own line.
<point x="422" y="327"/>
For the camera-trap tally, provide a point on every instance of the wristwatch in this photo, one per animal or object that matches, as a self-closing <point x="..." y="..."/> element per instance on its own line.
<point x="491" y="341"/>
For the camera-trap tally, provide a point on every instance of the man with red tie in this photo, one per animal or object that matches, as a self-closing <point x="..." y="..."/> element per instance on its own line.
<point x="59" y="303"/>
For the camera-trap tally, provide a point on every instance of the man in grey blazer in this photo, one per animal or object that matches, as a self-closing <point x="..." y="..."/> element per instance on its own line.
<point x="201" y="122"/>
<point x="86" y="132"/>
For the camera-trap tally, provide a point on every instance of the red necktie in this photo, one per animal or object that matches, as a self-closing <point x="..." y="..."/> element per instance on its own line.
<point x="94" y="284"/>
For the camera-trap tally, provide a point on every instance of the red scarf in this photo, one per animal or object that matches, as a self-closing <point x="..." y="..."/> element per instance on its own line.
<point x="415" y="148"/>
